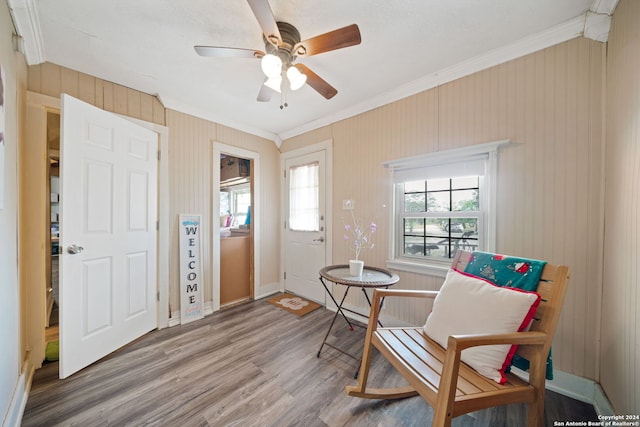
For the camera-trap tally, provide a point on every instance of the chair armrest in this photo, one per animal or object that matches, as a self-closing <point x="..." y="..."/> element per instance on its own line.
<point x="457" y="343"/>
<point x="460" y="342"/>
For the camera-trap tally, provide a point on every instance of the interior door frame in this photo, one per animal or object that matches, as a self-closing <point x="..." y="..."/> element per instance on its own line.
<point x="327" y="147"/>
<point x="256" y="218"/>
<point x="36" y="299"/>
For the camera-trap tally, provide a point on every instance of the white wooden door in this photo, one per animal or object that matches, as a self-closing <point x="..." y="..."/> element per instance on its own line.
<point x="108" y="233"/>
<point x="305" y="234"/>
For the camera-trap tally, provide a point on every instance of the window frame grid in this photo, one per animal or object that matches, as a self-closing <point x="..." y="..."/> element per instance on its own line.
<point x="402" y="215"/>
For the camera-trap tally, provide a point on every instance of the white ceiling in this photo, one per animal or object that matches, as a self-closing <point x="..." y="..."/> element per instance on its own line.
<point x="407" y="46"/>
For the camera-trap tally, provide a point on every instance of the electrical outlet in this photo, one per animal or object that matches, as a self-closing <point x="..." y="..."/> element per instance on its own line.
<point x="348" y="205"/>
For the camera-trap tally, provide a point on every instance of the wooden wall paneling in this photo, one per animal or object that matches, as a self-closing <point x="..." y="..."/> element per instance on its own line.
<point x="51" y="79"/>
<point x="556" y="164"/>
<point x="159" y="112"/>
<point x="34" y="78"/>
<point x="120" y="101"/>
<point x="191" y="190"/>
<point x="87" y="88"/>
<point x="592" y="273"/>
<point x="547" y="102"/>
<point x="620" y="364"/>
<point x="537" y="143"/>
<point x="146" y="108"/>
<point x="531" y="193"/>
<point x="547" y="147"/>
<point x="577" y="76"/>
<point x="519" y="99"/>
<point x="593" y="264"/>
<point x="133" y="103"/>
<point x="108" y="97"/>
<point x="69" y="82"/>
<point x="99" y="93"/>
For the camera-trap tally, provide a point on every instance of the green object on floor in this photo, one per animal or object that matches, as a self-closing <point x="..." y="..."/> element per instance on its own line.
<point x="52" y="353"/>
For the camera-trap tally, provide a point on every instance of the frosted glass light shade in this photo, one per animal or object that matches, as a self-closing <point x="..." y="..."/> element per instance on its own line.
<point x="271" y="65"/>
<point x="274" y="83"/>
<point x="296" y="78"/>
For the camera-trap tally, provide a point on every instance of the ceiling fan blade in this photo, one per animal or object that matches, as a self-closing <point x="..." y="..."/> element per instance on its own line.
<point x="317" y="83"/>
<point x="267" y="22"/>
<point x="265" y="94"/>
<point x="336" y="39"/>
<point x="228" y="52"/>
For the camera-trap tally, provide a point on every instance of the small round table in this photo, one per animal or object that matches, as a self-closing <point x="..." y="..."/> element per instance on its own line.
<point x="372" y="277"/>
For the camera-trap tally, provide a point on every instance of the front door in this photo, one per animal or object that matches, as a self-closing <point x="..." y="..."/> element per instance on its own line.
<point x="108" y="233"/>
<point x="305" y="232"/>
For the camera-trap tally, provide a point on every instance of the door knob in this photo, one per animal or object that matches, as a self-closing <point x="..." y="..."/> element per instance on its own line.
<point x="74" y="249"/>
<point x="320" y="239"/>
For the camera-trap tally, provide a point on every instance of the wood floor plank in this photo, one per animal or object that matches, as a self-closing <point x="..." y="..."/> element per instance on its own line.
<point x="249" y="365"/>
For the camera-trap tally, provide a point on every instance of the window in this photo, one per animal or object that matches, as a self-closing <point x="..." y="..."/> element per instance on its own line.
<point x="443" y="202"/>
<point x="304" y="185"/>
<point x="242" y="203"/>
<point x="236" y="203"/>
<point x="439" y="216"/>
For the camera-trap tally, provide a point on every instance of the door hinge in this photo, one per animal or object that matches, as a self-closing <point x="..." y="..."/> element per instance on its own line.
<point x="285" y="275"/>
<point x="284" y="173"/>
<point x="158" y="225"/>
<point x="158" y="296"/>
<point x="159" y="155"/>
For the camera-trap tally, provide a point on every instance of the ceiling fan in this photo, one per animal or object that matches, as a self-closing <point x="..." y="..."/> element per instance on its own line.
<point x="283" y="46"/>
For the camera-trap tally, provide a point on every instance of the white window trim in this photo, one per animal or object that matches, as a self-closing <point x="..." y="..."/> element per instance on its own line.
<point x="440" y="268"/>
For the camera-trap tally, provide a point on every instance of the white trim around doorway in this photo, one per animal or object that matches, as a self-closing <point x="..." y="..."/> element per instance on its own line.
<point x="327" y="147"/>
<point x="218" y="149"/>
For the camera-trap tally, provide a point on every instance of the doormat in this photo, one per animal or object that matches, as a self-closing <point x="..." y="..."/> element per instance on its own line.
<point x="52" y="352"/>
<point x="294" y="304"/>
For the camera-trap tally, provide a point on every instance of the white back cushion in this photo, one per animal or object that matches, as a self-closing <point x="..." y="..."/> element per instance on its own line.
<point x="469" y="305"/>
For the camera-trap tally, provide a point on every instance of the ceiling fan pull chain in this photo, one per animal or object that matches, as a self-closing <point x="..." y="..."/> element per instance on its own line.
<point x="283" y="100"/>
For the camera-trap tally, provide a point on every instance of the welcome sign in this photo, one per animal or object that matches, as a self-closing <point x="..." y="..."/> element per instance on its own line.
<point x="190" y="269"/>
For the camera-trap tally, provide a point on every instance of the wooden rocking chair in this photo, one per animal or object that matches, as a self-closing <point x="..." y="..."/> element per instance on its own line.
<point x="450" y="386"/>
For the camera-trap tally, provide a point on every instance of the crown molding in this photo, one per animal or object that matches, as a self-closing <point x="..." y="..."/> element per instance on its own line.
<point x="605" y="7"/>
<point x="598" y="20"/>
<point x="597" y="26"/>
<point x="24" y="14"/>
<point x="177" y="105"/>
<point x="555" y="35"/>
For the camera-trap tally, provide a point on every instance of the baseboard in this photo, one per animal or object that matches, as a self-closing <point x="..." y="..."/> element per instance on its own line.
<point x="268" y="289"/>
<point x="14" y="415"/>
<point x="582" y="389"/>
<point x="207" y="308"/>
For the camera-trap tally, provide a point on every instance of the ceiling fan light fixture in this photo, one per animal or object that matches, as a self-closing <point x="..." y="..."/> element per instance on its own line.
<point x="274" y="83"/>
<point x="296" y="78"/>
<point x="271" y="65"/>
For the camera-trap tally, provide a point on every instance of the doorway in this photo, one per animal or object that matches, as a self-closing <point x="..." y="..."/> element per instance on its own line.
<point x="307" y="207"/>
<point x="236" y="239"/>
<point x="38" y="225"/>
<point x="52" y="293"/>
<point x="236" y="221"/>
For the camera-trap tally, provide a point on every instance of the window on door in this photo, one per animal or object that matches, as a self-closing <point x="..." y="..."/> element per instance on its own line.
<point x="304" y="185"/>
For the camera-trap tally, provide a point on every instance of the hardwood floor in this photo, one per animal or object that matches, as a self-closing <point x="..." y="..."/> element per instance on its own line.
<point x="250" y="365"/>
